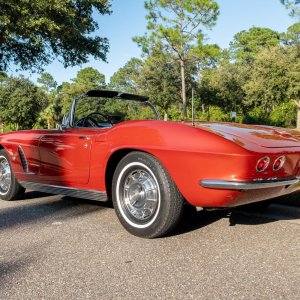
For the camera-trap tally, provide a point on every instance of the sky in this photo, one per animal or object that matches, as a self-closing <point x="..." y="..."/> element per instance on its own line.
<point x="128" y="20"/>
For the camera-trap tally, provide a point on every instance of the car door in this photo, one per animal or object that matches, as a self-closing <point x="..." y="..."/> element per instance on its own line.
<point x="65" y="156"/>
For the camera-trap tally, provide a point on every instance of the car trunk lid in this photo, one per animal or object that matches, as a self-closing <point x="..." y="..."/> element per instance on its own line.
<point x="264" y="136"/>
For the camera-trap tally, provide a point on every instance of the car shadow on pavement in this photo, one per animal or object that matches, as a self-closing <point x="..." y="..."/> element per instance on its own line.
<point x="33" y="194"/>
<point x="193" y="220"/>
<point x="45" y="207"/>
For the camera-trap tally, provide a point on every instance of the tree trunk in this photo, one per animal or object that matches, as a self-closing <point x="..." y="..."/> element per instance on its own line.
<point x="2" y="127"/>
<point x="183" y="89"/>
<point x="165" y="116"/>
<point x="48" y="124"/>
<point x="203" y="108"/>
<point x="298" y="114"/>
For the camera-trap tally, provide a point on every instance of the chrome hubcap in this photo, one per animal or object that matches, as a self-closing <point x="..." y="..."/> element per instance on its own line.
<point x="5" y="175"/>
<point x="140" y="194"/>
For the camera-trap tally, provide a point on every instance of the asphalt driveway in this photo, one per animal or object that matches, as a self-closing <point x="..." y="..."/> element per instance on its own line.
<point x="54" y="247"/>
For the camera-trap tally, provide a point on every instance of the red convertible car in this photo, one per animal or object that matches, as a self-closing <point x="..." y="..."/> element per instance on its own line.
<point x="149" y="168"/>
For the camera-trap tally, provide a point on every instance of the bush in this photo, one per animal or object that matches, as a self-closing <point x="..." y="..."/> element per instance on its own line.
<point x="284" y="115"/>
<point x="257" y="115"/>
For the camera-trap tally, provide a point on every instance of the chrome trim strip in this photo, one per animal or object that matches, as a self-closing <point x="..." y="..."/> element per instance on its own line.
<point x="63" y="190"/>
<point x="246" y="185"/>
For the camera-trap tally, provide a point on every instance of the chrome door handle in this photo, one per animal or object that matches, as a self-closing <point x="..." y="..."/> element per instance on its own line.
<point x="84" y="138"/>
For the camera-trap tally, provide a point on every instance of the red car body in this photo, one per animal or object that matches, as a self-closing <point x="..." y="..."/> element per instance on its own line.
<point x="149" y="168"/>
<point x="85" y="158"/>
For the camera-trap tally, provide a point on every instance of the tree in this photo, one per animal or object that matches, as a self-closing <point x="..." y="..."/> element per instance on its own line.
<point x="47" y="82"/>
<point x="125" y="79"/>
<point x="90" y="78"/>
<point x="293" y="78"/>
<point x="274" y="80"/>
<point x="33" y="32"/>
<point x="292" y="36"/>
<point x="268" y="83"/>
<point x="293" y="6"/>
<point x="51" y="115"/>
<point x="160" y="80"/>
<point x="3" y="75"/>
<point x="223" y="87"/>
<point x="21" y="102"/>
<point x="177" y="25"/>
<point x="86" y="79"/>
<point x="246" y="44"/>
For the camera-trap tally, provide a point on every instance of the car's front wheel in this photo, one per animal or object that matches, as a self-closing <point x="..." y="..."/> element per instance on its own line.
<point x="10" y="189"/>
<point x="146" y="200"/>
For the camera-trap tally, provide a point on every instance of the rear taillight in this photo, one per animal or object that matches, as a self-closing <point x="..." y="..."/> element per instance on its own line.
<point x="278" y="163"/>
<point x="262" y="164"/>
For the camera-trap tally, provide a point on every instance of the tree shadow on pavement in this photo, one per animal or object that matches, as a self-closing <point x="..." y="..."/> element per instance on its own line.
<point x="7" y="267"/>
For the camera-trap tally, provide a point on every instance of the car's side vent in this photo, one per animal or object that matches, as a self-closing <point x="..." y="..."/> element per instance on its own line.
<point x="23" y="159"/>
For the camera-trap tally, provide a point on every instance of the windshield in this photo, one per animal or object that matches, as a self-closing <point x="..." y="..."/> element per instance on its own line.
<point x="100" y="112"/>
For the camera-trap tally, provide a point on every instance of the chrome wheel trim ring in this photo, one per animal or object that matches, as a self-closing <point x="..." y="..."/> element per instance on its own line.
<point x="133" y="196"/>
<point x="5" y="176"/>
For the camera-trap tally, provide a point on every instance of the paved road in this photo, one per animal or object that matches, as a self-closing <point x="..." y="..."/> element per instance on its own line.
<point x="53" y="247"/>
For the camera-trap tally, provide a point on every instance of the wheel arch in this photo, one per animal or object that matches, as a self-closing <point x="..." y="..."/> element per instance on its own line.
<point x="111" y="166"/>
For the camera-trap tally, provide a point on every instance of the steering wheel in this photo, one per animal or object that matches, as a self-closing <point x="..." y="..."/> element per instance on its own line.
<point x="88" y="120"/>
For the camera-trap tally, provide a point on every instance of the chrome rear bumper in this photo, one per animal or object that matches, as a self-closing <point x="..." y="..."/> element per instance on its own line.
<point x="249" y="185"/>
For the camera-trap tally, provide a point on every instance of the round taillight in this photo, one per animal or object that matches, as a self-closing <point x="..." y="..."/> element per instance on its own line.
<point x="278" y="163"/>
<point x="262" y="164"/>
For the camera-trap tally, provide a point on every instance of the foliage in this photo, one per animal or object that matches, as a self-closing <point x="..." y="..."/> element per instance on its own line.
<point x="47" y="82"/>
<point x="256" y="115"/>
<point x="258" y="76"/>
<point x="246" y="44"/>
<point x="284" y="115"/>
<point x="159" y="79"/>
<point x="292" y="36"/>
<point x="214" y="114"/>
<point x="20" y="102"/>
<point x="267" y="84"/>
<point x="262" y="90"/>
<point x="86" y="79"/>
<point x="223" y="86"/>
<point x="125" y="79"/>
<point x="177" y="26"/>
<point x="293" y="6"/>
<point x="33" y="33"/>
<point x="90" y="78"/>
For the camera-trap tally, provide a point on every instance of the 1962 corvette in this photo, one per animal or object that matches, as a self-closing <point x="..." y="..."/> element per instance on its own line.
<point x="149" y="168"/>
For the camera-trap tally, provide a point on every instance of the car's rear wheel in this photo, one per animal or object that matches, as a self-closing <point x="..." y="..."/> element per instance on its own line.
<point x="10" y="189"/>
<point x="146" y="200"/>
